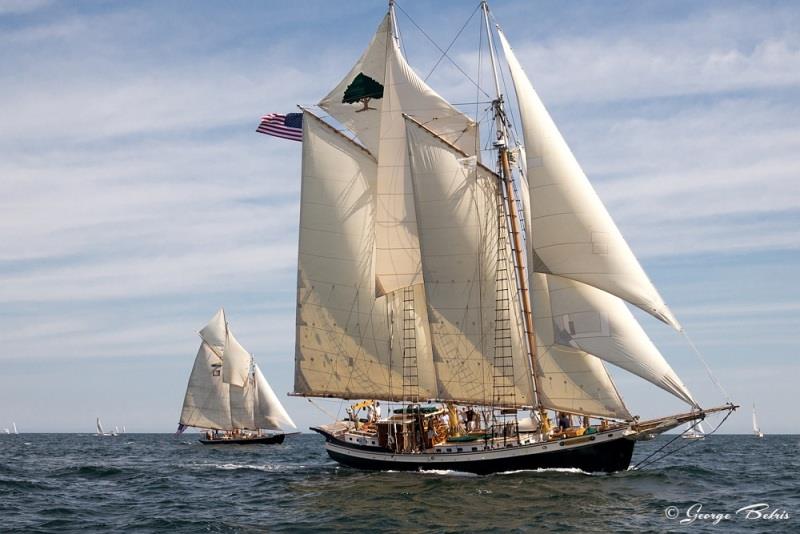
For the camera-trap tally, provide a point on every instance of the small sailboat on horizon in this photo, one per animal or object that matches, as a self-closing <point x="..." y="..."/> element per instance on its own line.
<point x="756" y="431"/>
<point x="101" y="431"/>
<point x="694" y="431"/>
<point x="228" y="395"/>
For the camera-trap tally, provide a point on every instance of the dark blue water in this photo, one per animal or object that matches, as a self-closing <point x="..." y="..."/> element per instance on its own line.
<point x="155" y="482"/>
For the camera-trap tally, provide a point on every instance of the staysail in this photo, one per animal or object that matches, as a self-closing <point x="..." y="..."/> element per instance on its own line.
<point x="574" y="235"/>
<point x="569" y="379"/>
<point x="600" y="324"/>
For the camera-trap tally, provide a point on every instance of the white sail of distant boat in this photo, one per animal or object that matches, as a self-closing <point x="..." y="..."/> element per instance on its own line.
<point x="694" y="431"/>
<point x="756" y="431"/>
<point x="123" y="429"/>
<point x="228" y="394"/>
<point x="14" y="427"/>
<point x="101" y="431"/>
<point x="116" y="430"/>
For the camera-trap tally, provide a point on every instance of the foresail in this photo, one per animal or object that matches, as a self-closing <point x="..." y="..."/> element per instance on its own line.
<point x="346" y="338"/>
<point x="235" y="362"/>
<point x="569" y="378"/>
<point x="600" y="324"/>
<point x="206" y="403"/>
<point x="457" y="212"/>
<point x="572" y="234"/>
<point x="269" y="412"/>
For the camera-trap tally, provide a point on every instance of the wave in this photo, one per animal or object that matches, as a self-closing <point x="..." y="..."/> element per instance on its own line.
<point x="446" y="472"/>
<point x="251" y="467"/>
<point x="570" y="470"/>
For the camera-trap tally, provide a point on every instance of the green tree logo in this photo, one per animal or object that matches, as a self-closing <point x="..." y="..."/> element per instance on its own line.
<point x="362" y="89"/>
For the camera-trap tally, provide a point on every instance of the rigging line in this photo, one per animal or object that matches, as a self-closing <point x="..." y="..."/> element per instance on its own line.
<point x="478" y="91"/>
<point x="510" y="116"/>
<point x="705" y="364"/>
<point x="642" y="463"/>
<point x="444" y="54"/>
<point x="323" y="410"/>
<point x="456" y="65"/>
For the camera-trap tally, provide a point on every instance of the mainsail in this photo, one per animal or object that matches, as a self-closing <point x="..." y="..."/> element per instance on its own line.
<point x="574" y="235"/>
<point x="457" y="210"/>
<point x="207" y="400"/>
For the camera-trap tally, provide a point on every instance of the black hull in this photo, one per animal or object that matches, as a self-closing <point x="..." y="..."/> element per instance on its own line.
<point x="263" y="440"/>
<point x="604" y="457"/>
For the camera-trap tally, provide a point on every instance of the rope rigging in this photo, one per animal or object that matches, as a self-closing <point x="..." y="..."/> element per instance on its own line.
<point x="645" y="463"/>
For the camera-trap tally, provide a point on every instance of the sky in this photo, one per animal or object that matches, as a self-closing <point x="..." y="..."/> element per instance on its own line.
<point x="137" y="198"/>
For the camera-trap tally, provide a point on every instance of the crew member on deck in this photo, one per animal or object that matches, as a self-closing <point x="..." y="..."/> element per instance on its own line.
<point x="563" y="421"/>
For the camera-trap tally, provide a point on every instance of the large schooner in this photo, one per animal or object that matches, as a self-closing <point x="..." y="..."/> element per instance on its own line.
<point x="476" y="299"/>
<point x="228" y="395"/>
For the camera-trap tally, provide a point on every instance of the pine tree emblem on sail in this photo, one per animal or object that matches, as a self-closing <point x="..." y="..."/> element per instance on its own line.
<point x="362" y="89"/>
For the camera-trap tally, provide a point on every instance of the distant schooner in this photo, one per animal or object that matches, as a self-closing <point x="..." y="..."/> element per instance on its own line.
<point x="467" y="293"/>
<point x="228" y="395"/>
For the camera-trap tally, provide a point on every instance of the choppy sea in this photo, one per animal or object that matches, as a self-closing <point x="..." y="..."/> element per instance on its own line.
<point x="163" y="483"/>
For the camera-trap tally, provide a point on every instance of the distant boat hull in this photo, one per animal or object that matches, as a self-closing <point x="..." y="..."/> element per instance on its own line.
<point x="606" y="453"/>
<point x="258" y="440"/>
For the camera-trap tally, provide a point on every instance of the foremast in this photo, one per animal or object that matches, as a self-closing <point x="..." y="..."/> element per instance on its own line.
<point x="510" y="206"/>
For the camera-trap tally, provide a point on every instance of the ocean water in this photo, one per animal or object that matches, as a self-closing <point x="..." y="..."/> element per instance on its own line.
<point x="163" y="483"/>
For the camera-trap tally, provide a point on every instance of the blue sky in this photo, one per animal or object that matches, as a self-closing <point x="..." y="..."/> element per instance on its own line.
<point x="137" y="198"/>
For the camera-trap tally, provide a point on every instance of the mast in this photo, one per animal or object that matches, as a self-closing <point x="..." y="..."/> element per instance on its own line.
<point x="518" y="248"/>
<point x="395" y="32"/>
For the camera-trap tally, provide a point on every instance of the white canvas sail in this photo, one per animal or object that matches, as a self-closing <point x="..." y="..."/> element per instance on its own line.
<point x="348" y="343"/>
<point x="236" y="362"/>
<point x="215" y="332"/>
<point x="600" y="324"/>
<point x="243" y="405"/>
<point x="572" y="233"/>
<point x="207" y="401"/>
<point x="379" y="124"/>
<point x="569" y="379"/>
<point x="14" y="428"/>
<point x="372" y="64"/>
<point x="456" y="207"/>
<point x="397" y="262"/>
<point x="756" y="429"/>
<point x="269" y="412"/>
<point x="100" y="427"/>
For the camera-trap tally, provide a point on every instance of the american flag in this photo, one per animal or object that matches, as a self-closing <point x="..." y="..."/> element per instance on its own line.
<point x="289" y="126"/>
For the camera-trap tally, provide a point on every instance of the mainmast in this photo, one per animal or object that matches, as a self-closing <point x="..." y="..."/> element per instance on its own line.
<point x="510" y="200"/>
